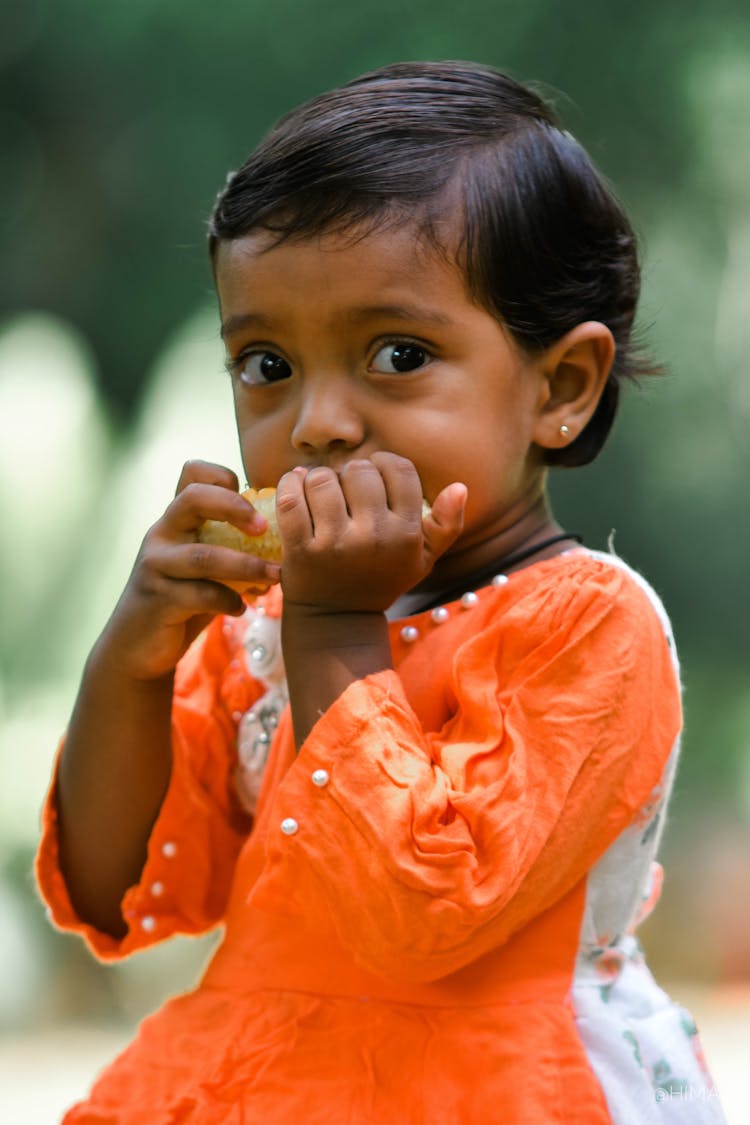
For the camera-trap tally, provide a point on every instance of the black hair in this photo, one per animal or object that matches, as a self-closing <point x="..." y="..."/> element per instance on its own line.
<point x="545" y="243"/>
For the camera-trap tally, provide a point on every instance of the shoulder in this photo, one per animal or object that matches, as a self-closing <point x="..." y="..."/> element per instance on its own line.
<point x="628" y="584"/>
<point x="584" y="578"/>
<point x="622" y="593"/>
<point x="587" y="607"/>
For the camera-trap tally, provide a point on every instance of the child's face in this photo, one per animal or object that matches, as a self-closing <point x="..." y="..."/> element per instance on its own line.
<point x="341" y="348"/>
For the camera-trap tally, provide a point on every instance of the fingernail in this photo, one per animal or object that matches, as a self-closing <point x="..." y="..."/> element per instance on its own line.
<point x="256" y="522"/>
<point x="272" y="571"/>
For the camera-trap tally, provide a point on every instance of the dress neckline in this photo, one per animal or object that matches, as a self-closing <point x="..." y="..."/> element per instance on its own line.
<point x="495" y="574"/>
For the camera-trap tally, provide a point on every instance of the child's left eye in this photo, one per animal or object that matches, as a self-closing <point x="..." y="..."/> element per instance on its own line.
<point x="396" y="358"/>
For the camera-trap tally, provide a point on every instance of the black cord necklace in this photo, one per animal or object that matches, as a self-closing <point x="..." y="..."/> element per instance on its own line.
<point x="485" y="576"/>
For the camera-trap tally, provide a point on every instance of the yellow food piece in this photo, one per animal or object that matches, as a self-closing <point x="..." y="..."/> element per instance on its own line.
<point x="266" y="546"/>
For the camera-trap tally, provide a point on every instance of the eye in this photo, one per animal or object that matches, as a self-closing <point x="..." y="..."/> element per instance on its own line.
<point x="259" y="368"/>
<point x="400" y="357"/>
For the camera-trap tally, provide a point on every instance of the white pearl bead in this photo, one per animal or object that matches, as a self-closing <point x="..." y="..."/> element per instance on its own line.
<point x="440" y="614"/>
<point x="499" y="579"/>
<point x="289" y="826"/>
<point x="157" y="889"/>
<point x="409" y="633"/>
<point x="469" y="599"/>
<point x="320" y="778"/>
<point x="148" y="923"/>
<point x="169" y="850"/>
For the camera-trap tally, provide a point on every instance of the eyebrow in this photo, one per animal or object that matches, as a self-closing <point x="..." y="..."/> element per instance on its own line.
<point x="244" y="320"/>
<point x="355" y="316"/>
<point x="399" y="312"/>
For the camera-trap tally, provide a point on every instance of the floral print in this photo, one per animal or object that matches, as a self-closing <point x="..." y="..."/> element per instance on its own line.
<point x="644" y="1048"/>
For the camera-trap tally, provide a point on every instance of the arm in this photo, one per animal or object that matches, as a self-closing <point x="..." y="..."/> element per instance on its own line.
<point x="113" y="774"/>
<point x="116" y="762"/>
<point x="353" y="543"/>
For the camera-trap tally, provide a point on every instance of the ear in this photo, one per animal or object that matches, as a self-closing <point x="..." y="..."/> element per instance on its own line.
<point x="574" y="370"/>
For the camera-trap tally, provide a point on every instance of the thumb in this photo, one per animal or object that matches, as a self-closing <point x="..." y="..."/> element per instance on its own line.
<point x="445" y="521"/>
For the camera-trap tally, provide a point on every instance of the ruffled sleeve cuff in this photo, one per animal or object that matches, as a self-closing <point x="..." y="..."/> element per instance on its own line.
<point x="174" y="895"/>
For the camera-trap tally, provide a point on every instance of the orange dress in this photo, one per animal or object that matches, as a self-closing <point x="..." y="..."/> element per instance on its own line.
<point x="421" y="892"/>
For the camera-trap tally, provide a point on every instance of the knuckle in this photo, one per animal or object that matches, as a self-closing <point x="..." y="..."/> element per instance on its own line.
<point x="403" y="467"/>
<point x="320" y="476"/>
<point x="411" y="532"/>
<point x="286" y="501"/>
<point x="190" y="472"/>
<point x="191" y="495"/>
<point x="201" y="557"/>
<point x="211" y="597"/>
<point x="359" y="465"/>
<point x="148" y="584"/>
<point x="387" y="457"/>
<point x="196" y="471"/>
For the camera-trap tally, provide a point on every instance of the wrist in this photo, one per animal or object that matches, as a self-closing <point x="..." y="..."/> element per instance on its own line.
<point x="107" y="663"/>
<point x="307" y="628"/>
<point x="324" y="653"/>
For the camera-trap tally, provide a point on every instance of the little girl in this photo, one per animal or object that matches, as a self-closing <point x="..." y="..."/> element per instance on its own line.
<point x="430" y="887"/>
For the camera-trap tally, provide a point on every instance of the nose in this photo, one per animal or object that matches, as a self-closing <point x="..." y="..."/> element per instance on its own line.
<point x="329" y="418"/>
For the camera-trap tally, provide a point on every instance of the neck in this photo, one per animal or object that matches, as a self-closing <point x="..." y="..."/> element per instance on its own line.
<point x="484" y="554"/>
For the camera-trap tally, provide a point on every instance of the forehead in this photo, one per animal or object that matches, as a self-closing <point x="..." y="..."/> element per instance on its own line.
<point x="350" y="266"/>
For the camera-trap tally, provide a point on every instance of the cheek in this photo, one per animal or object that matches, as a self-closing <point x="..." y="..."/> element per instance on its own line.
<point x="262" y="449"/>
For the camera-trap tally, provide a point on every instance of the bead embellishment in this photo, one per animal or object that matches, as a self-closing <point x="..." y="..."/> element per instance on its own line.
<point x="320" y="778"/>
<point x="258" y="725"/>
<point x="499" y="579"/>
<point x="469" y="599"/>
<point x="289" y="826"/>
<point x="440" y="614"/>
<point x="169" y="850"/>
<point x="410" y="634"/>
<point x="148" y="923"/>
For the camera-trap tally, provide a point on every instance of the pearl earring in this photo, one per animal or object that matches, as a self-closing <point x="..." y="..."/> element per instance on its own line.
<point x="564" y="430"/>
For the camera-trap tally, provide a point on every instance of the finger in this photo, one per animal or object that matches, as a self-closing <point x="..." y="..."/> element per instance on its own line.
<point x="402" y="484"/>
<point x="207" y="562"/>
<point x="206" y="472"/>
<point x="198" y="502"/>
<point x="198" y="598"/>
<point x="326" y="503"/>
<point x="445" y="521"/>
<point x="363" y="489"/>
<point x="292" y="513"/>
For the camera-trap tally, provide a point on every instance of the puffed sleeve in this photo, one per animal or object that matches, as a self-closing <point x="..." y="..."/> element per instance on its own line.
<point x="201" y="827"/>
<point x="429" y="848"/>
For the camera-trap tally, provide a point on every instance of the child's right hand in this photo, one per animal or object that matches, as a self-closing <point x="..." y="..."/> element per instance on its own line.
<point x="175" y="587"/>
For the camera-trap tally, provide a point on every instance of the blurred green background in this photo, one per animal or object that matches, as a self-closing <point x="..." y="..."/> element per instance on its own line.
<point x="119" y="122"/>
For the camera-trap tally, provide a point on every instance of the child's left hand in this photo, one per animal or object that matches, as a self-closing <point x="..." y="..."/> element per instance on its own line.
<point x="355" y="540"/>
